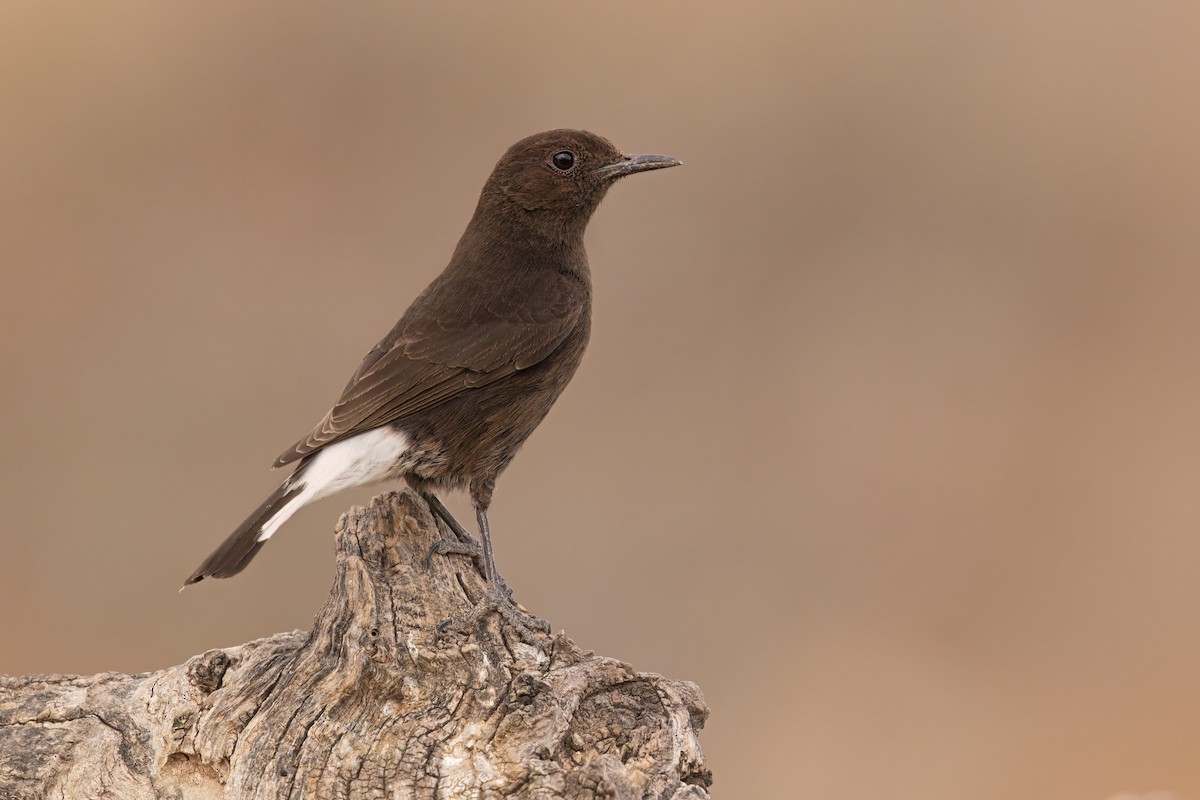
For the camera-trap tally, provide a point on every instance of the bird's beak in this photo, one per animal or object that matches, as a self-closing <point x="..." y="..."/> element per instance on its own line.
<point x="634" y="162"/>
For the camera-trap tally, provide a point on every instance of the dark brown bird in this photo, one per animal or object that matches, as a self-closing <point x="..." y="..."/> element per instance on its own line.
<point x="448" y="396"/>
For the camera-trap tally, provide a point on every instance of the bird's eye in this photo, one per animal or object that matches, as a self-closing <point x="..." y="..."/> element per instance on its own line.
<point x="563" y="160"/>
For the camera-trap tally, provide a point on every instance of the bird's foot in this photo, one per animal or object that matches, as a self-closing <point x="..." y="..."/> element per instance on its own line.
<point x="457" y="548"/>
<point x="497" y="600"/>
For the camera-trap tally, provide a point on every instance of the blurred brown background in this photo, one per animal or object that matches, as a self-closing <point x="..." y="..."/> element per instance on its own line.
<point x="889" y="433"/>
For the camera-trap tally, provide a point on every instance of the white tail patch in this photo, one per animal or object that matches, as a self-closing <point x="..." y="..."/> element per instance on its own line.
<point x="363" y="459"/>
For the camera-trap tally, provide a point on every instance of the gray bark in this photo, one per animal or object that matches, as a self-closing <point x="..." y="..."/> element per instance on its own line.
<point x="376" y="701"/>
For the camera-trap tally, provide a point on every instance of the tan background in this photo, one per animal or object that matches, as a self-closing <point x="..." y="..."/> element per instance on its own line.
<point x="889" y="433"/>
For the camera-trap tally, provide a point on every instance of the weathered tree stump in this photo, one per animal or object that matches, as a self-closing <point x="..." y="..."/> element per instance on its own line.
<point x="375" y="702"/>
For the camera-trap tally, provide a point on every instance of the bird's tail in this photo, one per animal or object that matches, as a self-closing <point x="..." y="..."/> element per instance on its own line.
<point x="244" y="543"/>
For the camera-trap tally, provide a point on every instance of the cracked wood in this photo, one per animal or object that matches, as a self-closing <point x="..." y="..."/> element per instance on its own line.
<point x="374" y="702"/>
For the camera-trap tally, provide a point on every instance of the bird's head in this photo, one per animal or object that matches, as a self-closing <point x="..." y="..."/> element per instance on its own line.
<point x="562" y="175"/>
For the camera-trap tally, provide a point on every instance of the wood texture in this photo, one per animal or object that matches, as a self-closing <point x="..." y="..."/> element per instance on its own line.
<point x="380" y="700"/>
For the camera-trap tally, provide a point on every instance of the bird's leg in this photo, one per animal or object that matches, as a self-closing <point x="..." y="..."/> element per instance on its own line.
<point x="489" y="560"/>
<point x="498" y="599"/>
<point x="438" y="508"/>
<point x="465" y="544"/>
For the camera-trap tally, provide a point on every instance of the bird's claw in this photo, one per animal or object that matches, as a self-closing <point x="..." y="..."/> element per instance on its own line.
<point x="498" y="601"/>
<point x="444" y="548"/>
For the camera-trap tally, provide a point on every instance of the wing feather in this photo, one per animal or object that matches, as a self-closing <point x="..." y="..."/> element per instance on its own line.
<point x="430" y="358"/>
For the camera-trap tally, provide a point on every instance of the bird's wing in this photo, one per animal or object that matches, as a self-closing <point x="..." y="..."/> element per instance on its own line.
<point x="429" y="358"/>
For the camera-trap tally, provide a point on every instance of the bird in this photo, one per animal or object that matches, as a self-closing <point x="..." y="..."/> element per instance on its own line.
<point x="448" y="396"/>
